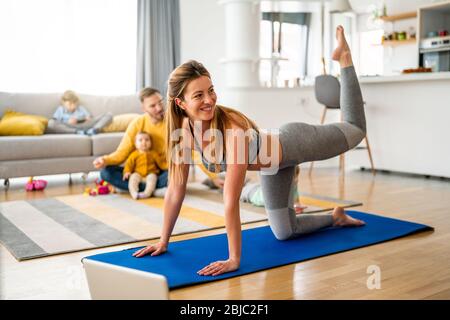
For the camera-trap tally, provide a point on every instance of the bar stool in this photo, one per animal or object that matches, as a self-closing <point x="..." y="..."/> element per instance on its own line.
<point x="327" y="90"/>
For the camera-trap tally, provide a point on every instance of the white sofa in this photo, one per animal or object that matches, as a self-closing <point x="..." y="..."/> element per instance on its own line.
<point x="22" y="156"/>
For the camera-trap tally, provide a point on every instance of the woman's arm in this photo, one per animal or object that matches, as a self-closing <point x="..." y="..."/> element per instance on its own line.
<point x="172" y="205"/>
<point x="234" y="183"/>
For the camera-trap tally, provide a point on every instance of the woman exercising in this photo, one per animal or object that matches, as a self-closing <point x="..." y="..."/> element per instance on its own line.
<point x="195" y="122"/>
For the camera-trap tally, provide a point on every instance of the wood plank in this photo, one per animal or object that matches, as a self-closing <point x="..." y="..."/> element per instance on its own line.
<point x="401" y="16"/>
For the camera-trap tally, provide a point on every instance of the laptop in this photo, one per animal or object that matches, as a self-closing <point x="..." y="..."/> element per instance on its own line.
<point x="111" y="282"/>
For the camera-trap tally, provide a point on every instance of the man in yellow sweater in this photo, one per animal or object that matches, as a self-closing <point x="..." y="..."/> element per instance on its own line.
<point x="152" y="123"/>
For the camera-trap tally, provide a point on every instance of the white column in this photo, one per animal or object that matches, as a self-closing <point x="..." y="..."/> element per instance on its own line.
<point x="242" y="21"/>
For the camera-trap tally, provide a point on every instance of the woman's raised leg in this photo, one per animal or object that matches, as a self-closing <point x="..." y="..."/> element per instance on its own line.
<point x="303" y="142"/>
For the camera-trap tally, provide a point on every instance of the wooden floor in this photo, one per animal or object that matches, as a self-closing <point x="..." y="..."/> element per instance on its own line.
<point x="414" y="267"/>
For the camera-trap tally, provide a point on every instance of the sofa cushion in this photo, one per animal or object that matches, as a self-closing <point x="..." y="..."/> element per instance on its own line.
<point x="20" y="124"/>
<point x="120" y="122"/>
<point x="105" y="143"/>
<point x="114" y="104"/>
<point x="45" y="146"/>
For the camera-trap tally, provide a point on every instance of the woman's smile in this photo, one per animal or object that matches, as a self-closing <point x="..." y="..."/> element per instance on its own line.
<point x="206" y="109"/>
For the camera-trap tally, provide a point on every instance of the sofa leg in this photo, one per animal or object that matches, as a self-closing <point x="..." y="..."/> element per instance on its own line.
<point x="6" y="183"/>
<point x="70" y="179"/>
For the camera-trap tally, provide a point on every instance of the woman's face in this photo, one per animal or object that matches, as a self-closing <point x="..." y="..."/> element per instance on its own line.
<point x="199" y="99"/>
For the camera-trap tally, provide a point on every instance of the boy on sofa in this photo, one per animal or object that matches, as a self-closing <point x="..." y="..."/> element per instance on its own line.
<point x="142" y="166"/>
<point x="71" y="117"/>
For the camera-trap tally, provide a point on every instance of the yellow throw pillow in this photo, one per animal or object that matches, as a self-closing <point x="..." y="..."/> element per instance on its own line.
<point x="20" y="124"/>
<point x="120" y="122"/>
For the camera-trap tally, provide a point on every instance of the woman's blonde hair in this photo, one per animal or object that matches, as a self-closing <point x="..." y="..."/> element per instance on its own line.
<point x="178" y="81"/>
<point x="70" y="96"/>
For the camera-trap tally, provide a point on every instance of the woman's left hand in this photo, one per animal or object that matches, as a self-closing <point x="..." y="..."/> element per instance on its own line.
<point x="219" y="267"/>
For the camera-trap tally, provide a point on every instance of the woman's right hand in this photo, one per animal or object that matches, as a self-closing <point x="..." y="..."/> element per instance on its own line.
<point x="154" y="249"/>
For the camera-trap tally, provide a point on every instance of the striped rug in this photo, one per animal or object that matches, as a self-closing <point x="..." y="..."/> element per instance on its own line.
<point x="37" y="228"/>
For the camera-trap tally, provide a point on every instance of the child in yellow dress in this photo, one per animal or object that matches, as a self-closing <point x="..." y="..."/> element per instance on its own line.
<point x="142" y="166"/>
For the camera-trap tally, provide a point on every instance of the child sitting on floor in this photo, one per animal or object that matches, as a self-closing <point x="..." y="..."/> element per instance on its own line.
<point x="142" y="166"/>
<point x="252" y="193"/>
<point x="71" y="117"/>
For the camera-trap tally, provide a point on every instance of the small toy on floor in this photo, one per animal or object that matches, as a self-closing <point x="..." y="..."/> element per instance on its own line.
<point x="35" y="185"/>
<point x="101" y="187"/>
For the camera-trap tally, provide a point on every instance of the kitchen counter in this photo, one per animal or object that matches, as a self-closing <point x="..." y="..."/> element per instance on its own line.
<point x="420" y="76"/>
<point x="407" y="122"/>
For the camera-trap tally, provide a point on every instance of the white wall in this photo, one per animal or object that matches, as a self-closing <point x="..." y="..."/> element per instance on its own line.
<point x="203" y="36"/>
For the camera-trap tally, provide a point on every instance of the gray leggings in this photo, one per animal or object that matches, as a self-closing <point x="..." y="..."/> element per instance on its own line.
<point x="302" y="142"/>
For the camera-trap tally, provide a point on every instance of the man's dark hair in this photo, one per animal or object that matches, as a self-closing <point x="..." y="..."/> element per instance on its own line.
<point x="147" y="92"/>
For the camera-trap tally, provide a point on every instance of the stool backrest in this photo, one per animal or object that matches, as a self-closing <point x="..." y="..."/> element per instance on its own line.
<point x="327" y="89"/>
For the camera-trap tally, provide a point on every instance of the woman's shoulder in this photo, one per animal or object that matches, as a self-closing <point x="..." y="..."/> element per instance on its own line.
<point x="185" y="123"/>
<point x="186" y="127"/>
<point x="235" y="119"/>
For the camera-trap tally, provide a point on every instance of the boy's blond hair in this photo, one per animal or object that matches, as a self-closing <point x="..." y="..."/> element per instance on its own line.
<point x="70" y="96"/>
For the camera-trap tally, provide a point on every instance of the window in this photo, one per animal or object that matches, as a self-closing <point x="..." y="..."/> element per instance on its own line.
<point x="286" y="41"/>
<point x="286" y="59"/>
<point x="53" y="45"/>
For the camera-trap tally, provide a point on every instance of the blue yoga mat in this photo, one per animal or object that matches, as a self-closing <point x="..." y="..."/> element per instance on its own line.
<point x="260" y="249"/>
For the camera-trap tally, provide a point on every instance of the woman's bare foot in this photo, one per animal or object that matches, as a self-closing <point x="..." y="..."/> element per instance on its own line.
<point x="342" y="52"/>
<point x="340" y="219"/>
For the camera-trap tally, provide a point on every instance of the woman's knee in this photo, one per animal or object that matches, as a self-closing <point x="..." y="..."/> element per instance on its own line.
<point x="282" y="235"/>
<point x="280" y="224"/>
<point x="353" y="134"/>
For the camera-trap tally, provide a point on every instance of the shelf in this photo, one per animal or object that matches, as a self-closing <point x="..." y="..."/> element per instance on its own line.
<point x="398" y="42"/>
<point x="406" y="15"/>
